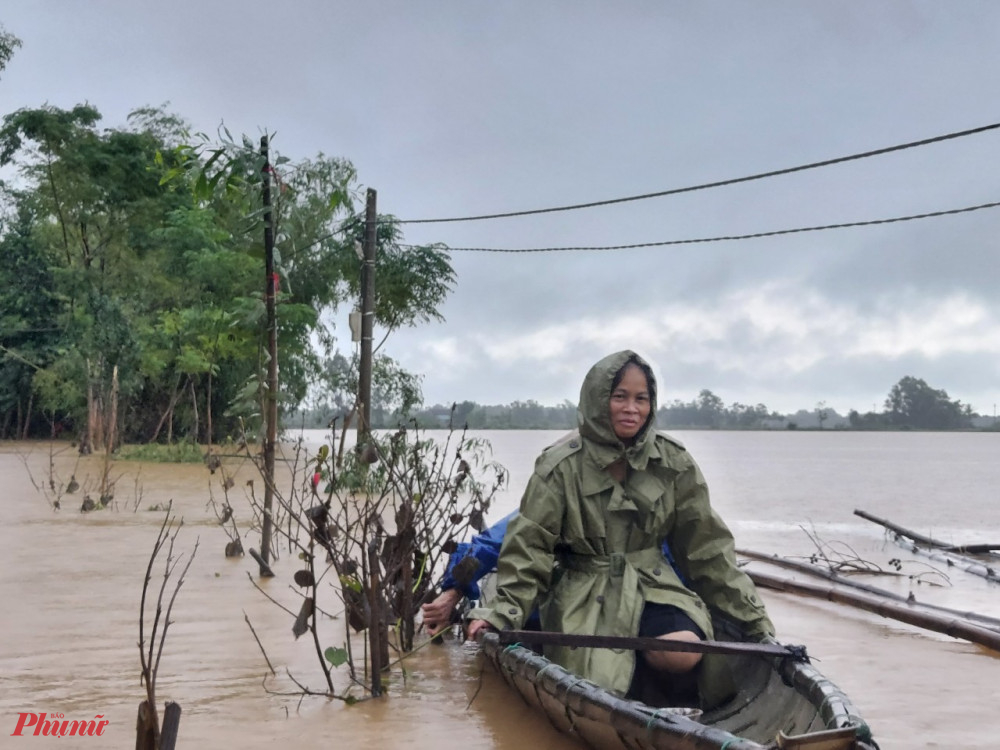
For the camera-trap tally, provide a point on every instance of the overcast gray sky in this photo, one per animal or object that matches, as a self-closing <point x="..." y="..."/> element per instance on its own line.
<point x="458" y="108"/>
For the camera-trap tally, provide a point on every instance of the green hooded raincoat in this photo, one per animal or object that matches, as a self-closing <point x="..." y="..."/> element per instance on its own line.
<point x="585" y="548"/>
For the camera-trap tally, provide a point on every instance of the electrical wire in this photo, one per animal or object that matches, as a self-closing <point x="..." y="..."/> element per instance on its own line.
<point x="352" y="220"/>
<point x="723" y="238"/>
<point x="707" y="185"/>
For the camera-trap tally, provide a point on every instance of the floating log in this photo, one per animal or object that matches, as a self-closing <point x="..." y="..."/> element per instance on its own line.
<point x="973" y="549"/>
<point x="970" y="549"/>
<point x="880" y="605"/>
<point x="934" y="549"/>
<point x="948" y="558"/>
<point x="899" y="529"/>
<point x="985" y="620"/>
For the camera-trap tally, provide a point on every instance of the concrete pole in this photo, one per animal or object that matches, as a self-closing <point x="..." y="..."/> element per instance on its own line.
<point x="271" y="391"/>
<point x="367" y="319"/>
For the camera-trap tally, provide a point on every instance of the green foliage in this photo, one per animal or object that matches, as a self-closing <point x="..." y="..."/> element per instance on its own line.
<point x="336" y="656"/>
<point x="395" y="391"/>
<point x="912" y="403"/>
<point x="351" y="583"/>
<point x="705" y="412"/>
<point x="138" y="250"/>
<point x="8" y="43"/>
<point x="60" y="387"/>
<point x="867" y="421"/>
<point x="919" y="407"/>
<point x="431" y="493"/>
<point x="412" y="281"/>
<point x="175" y="453"/>
<point x="28" y="339"/>
<point x="54" y="131"/>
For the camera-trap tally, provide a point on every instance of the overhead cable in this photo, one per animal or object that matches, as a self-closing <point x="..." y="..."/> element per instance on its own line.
<point x="724" y="238"/>
<point x="707" y="185"/>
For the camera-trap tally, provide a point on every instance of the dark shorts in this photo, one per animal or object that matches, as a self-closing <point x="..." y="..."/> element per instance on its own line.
<point x="658" y="619"/>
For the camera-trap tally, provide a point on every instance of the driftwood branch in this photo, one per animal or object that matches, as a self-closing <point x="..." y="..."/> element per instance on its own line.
<point x="899" y="529"/>
<point x="969" y="565"/>
<point x="259" y="644"/>
<point x="972" y="549"/>
<point x="907" y="612"/>
<point x="934" y="549"/>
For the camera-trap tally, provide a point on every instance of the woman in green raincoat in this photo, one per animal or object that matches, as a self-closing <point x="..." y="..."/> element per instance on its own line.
<point x="586" y="545"/>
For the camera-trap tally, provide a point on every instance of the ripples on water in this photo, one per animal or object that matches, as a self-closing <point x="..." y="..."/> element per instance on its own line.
<point x="70" y="585"/>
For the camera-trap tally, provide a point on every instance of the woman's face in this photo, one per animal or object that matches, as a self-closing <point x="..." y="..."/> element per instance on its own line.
<point x="630" y="404"/>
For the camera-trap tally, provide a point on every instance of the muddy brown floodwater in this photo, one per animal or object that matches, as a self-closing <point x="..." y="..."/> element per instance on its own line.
<point x="70" y="585"/>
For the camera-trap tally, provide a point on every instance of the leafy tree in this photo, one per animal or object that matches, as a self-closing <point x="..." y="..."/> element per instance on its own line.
<point x="707" y="411"/>
<point x="147" y="254"/>
<point x="93" y="195"/>
<point x="867" y="421"/>
<point x="710" y="408"/>
<point x="395" y="392"/>
<point x="822" y="413"/>
<point x="742" y="416"/>
<point x="411" y="281"/>
<point x="677" y="413"/>
<point x="316" y="228"/>
<point x="462" y="413"/>
<point x="28" y="339"/>
<point x="913" y="403"/>
<point x="8" y="43"/>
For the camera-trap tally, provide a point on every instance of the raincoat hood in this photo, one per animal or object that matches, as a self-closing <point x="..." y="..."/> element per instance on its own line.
<point x="593" y="415"/>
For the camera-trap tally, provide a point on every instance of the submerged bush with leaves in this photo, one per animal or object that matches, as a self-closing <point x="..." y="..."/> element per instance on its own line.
<point x="374" y="527"/>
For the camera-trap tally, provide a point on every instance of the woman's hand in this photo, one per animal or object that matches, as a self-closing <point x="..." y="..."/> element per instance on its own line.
<point x="437" y="614"/>
<point x="475" y="627"/>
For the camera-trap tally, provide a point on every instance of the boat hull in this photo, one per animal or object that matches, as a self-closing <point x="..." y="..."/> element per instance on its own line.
<point x="780" y="703"/>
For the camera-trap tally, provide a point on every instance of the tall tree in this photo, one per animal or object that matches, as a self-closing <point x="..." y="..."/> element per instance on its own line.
<point x="316" y="228"/>
<point x="913" y="403"/>
<point x="147" y="252"/>
<point x="95" y="195"/>
<point x="29" y="340"/>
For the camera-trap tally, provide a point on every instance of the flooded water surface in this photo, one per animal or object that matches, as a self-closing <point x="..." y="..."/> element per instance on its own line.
<point x="70" y="586"/>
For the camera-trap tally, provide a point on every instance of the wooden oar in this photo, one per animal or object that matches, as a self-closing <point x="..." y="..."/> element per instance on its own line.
<point x="578" y="640"/>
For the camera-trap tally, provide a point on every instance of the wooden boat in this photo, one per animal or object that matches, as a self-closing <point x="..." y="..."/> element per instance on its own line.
<point x="780" y="703"/>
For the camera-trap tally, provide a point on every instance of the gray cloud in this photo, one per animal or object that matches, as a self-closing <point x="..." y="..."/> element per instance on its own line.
<point x="453" y="108"/>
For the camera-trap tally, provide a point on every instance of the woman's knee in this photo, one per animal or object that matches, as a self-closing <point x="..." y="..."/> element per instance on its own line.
<point x="675" y="662"/>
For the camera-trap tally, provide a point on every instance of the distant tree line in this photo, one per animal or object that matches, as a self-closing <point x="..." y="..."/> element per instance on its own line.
<point x="706" y="412"/>
<point x="911" y="404"/>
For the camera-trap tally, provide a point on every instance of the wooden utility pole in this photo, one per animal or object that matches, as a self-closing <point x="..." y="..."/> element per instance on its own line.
<point x="367" y="319"/>
<point x="271" y="390"/>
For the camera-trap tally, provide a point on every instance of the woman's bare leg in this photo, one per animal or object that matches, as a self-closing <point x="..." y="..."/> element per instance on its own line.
<point x="674" y="662"/>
